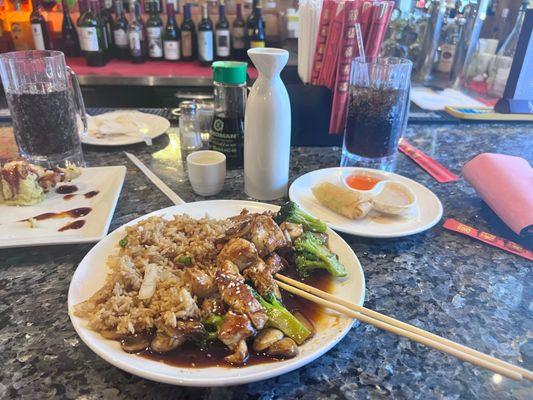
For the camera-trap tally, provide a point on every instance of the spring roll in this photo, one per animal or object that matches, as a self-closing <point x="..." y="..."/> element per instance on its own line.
<point x="342" y="201"/>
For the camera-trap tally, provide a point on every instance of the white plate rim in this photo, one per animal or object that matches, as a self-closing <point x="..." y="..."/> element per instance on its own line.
<point x="355" y="232"/>
<point x="275" y="368"/>
<point x="86" y="139"/>
<point x="16" y="243"/>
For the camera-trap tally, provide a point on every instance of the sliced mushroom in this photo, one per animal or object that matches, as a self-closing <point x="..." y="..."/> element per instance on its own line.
<point x="162" y="343"/>
<point x="136" y="343"/>
<point x="266" y="338"/>
<point x="285" y="348"/>
<point x="306" y="322"/>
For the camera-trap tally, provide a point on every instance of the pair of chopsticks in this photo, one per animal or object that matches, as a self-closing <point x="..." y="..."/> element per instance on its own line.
<point x="402" y="329"/>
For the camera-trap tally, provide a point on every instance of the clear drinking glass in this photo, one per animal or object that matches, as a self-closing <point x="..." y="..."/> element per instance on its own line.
<point x="377" y="112"/>
<point x="45" y="102"/>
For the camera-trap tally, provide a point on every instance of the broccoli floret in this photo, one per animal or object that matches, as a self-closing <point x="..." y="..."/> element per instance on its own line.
<point x="280" y="318"/>
<point x="212" y="325"/>
<point x="290" y="212"/>
<point x="312" y="254"/>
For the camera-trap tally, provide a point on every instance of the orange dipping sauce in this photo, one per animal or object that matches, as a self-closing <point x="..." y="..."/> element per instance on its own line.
<point x="362" y="182"/>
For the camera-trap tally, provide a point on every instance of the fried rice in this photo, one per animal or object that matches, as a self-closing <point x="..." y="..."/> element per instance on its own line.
<point x="130" y="302"/>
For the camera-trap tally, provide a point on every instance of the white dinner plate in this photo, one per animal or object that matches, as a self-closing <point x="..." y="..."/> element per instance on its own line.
<point x="91" y="273"/>
<point x="154" y="126"/>
<point x="106" y="180"/>
<point x="426" y="213"/>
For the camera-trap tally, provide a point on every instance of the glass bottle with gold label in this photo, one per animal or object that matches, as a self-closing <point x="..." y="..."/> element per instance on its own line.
<point x="19" y="25"/>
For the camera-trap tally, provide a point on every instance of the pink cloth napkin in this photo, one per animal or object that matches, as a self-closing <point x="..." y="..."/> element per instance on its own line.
<point x="506" y="184"/>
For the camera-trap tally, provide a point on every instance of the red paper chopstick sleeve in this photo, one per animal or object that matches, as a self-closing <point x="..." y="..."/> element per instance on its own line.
<point x="428" y="164"/>
<point x="349" y="50"/>
<point x="332" y="50"/>
<point x="496" y="241"/>
<point x="328" y="9"/>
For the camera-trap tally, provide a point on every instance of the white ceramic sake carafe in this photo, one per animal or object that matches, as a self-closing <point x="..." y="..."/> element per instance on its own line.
<point x="267" y="128"/>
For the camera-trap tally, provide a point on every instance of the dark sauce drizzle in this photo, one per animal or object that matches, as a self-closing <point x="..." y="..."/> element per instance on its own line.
<point x="66" y="189"/>
<point x="72" y="225"/>
<point x="87" y="195"/>
<point x="74" y="213"/>
<point x="190" y="355"/>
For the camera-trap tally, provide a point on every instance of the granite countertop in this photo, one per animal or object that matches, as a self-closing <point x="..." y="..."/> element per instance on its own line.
<point x="439" y="280"/>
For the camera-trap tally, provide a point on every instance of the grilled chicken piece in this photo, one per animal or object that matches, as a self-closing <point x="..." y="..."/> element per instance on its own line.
<point x="275" y="263"/>
<point x="262" y="279"/>
<point x="237" y="295"/>
<point x="201" y="285"/>
<point x="233" y="332"/>
<point x="240" y="252"/>
<point x="212" y="305"/>
<point x="266" y="235"/>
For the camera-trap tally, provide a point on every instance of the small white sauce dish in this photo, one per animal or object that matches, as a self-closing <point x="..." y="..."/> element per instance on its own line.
<point x="207" y="171"/>
<point x="395" y="198"/>
<point x="366" y="194"/>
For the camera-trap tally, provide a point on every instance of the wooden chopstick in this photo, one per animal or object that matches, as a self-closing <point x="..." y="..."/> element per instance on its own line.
<point x="400" y="328"/>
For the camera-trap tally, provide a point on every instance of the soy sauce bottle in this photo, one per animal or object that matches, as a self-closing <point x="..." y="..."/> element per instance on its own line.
<point x="227" y="131"/>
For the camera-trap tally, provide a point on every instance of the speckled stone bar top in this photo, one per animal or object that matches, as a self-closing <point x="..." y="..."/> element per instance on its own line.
<point x="441" y="281"/>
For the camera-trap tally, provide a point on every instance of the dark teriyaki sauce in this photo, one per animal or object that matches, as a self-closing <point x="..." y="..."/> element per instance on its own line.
<point x="73" y="213"/>
<point x="66" y="189"/>
<point x="190" y="355"/>
<point x="78" y="224"/>
<point x="91" y="194"/>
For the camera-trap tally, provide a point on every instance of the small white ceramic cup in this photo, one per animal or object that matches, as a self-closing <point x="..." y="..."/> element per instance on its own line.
<point x="207" y="171"/>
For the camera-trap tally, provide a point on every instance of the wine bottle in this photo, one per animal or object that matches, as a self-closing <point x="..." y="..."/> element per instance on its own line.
<point x="136" y="35"/>
<point x="41" y="39"/>
<point x="205" y="38"/>
<point x="92" y="38"/>
<point x="71" y="43"/>
<point x="120" y="32"/>
<point x="188" y="35"/>
<point x="171" y="38"/>
<point x="222" y="36"/>
<point x="238" y="43"/>
<point x="154" y="27"/>
<point x="257" y="37"/>
<point x="250" y="22"/>
<point x="107" y="22"/>
<point x="83" y="6"/>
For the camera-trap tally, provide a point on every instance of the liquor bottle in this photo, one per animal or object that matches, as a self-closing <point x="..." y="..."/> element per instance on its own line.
<point x="83" y="6"/>
<point x="188" y="35"/>
<point x="271" y="23"/>
<point x="257" y="38"/>
<point x="41" y="39"/>
<point x="19" y="25"/>
<point x="222" y="35"/>
<point x="205" y="38"/>
<point x="120" y="32"/>
<point x="250" y="22"/>
<point x="172" y="36"/>
<point x="107" y="22"/>
<point x="92" y="39"/>
<point x="154" y="28"/>
<point x="71" y="43"/>
<point x="136" y="35"/>
<point x="148" y="5"/>
<point x="449" y="44"/>
<point x="239" y="36"/>
<point x="6" y="42"/>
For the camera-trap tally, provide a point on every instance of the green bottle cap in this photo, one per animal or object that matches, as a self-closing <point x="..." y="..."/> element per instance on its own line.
<point x="229" y="72"/>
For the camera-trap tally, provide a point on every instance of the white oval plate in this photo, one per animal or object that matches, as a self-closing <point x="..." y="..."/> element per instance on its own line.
<point x="91" y="273"/>
<point x="427" y="212"/>
<point x="155" y="124"/>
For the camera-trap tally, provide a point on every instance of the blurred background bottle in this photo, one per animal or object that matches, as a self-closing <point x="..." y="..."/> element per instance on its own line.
<point x="136" y="34"/>
<point x="69" y="34"/>
<point x="120" y="32"/>
<point x="171" y="36"/>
